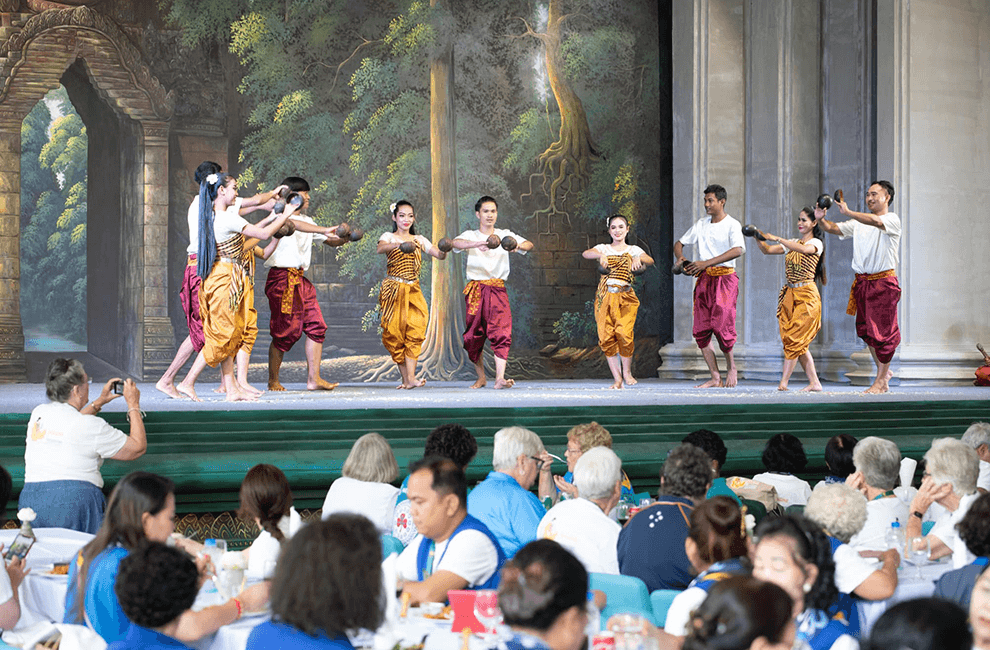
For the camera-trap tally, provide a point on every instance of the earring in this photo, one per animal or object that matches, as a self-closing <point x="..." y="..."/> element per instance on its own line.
<point x="806" y="588"/>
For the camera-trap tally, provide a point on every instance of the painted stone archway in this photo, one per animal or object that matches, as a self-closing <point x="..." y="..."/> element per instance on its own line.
<point x="128" y="190"/>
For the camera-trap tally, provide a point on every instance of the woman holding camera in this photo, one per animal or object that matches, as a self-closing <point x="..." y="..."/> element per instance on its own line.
<point x="67" y="443"/>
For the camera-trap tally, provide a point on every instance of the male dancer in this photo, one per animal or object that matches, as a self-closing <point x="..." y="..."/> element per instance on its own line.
<point x="488" y="312"/>
<point x="292" y="297"/>
<point x="719" y="241"/>
<point x="875" y="292"/>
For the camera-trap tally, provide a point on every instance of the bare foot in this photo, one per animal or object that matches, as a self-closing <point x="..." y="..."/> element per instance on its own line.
<point x="250" y="390"/>
<point x="221" y="389"/>
<point x="732" y="379"/>
<point x="237" y="395"/>
<point x="168" y="388"/>
<point x="629" y="380"/>
<point x="616" y="385"/>
<point x="401" y="386"/>
<point x="504" y="383"/>
<point x="714" y="382"/>
<point x="275" y="386"/>
<point x="782" y="387"/>
<point x="322" y="384"/>
<point x="812" y="388"/>
<point x="188" y="391"/>
<point x="877" y="388"/>
<point x="479" y="384"/>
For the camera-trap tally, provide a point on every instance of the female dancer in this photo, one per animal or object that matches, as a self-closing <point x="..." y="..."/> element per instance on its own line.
<point x="616" y="303"/>
<point x="402" y="305"/>
<point x="799" y="307"/>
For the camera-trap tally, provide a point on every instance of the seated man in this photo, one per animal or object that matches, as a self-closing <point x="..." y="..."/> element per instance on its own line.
<point x="951" y="470"/>
<point x="878" y="465"/>
<point x="711" y="443"/>
<point x="582" y="525"/>
<point x="155" y="585"/>
<point x="452" y="550"/>
<point x="977" y="436"/>
<point x="651" y="546"/>
<point x="503" y="501"/>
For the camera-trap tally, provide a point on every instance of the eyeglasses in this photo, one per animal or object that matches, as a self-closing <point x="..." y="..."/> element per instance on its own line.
<point x="539" y="462"/>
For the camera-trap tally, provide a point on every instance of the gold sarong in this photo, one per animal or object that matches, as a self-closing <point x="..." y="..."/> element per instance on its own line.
<point x="716" y="271"/>
<point x="292" y="280"/>
<point x="473" y="292"/>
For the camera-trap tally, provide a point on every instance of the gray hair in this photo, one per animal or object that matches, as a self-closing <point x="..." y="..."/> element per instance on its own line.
<point x="687" y="472"/>
<point x="371" y="460"/>
<point x="596" y="473"/>
<point x="977" y="434"/>
<point x="509" y="443"/>
<point x="952" y="461"/>
<point x="838" y="508"/>
<point x="63" y="375"/>
<point x="880" y="462"/>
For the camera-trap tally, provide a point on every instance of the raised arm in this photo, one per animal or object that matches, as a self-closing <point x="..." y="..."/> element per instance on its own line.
<point x="463" y="244"/>
<point x="258" y="200"/>
<point x="769" y="249"/>
<point x="265" y="232"/>
<point x="524" y="247"/>
<point x="592" y="254"/>
<point x="863" y="217"/>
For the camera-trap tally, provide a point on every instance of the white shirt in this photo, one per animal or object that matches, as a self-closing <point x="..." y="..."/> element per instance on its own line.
<point x="880" y="514"/>
<point x="874" y="250"/>
<point x="679" y="614"/>
<point x="814" y="242"/>
<point x="983" y="481"/>
<point x="851" y="568"/>
<point x="469" y="554"/>
<point x="790" y="489"/>
<point x="192" y="217"/>
<point x="295" y="251"/>
<point x="265" y="549"/>
<point x="945" y="530"/>
<point x="582" y="528"/>
<point x="65" y="445"/>
<point x="228" y="222"/>
<point x="713" y="239"/>
<point x="607" y="249"/>
<point x="376" y="501"/>
<point x="488" y="264"/>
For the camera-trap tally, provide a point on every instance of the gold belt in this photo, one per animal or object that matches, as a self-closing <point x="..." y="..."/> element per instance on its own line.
<point x="400" y="280"/>
<point x="851" y="307"/>
<point x="612" y="288"/>
<point x="719" y="270"/>
<point x="798" y="285"/>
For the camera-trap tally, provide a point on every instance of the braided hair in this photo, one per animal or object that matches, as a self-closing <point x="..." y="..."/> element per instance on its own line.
<point x="207" y="253"/>
<point x="267" y="497"/>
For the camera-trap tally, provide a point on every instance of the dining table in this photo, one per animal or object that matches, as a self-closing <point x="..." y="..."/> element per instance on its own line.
<point x="909" y="585"/>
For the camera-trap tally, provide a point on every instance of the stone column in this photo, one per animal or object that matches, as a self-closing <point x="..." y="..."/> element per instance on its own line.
<point x="12" y="365"/>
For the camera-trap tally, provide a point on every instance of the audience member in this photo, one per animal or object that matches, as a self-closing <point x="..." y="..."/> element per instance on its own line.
<point x="10" y="580"/>
<point x="921" y="624"/>
<point x="979" y="611"/>
<point x="266" y="499"/>
<point x="503" y="501"/>
<point x="651" y="546"/>
<point x="365" y="485"/>
<point x="783" y="456"/>
<point x="951" y="469"/>
<point x="67" y="444"/>
<point x="543" y="598"/>
<point x="974" y="530"/>
<point x="155" y="585"/>
<point x="452" y="550"/>
<point x="742" y="613"/>
<point x="711" y="443"/>
<point x="878" y="465"/>
<point x="839" y="458"/>
<point x="581" y="525"/>
<point x="328" y="582"/>
<point x="580" y="439"/>
<point x="977" y="436"/>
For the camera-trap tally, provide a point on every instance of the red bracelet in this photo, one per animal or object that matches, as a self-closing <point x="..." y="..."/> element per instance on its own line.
<point x="240" y="607"/>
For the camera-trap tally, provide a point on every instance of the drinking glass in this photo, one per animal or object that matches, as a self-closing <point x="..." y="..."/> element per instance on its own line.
<point x="486" y="609"/>
<point x="919" y="550"/>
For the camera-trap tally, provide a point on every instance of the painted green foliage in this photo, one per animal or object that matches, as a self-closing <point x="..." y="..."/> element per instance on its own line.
<point x="53" y="217"/>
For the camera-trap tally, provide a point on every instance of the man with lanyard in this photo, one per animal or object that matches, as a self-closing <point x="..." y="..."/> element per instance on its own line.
<point x="875" y="292"/>
<point x="453" y="550"/>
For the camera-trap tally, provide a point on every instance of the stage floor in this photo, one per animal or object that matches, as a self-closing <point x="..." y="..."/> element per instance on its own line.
<point x="22" y="398"/>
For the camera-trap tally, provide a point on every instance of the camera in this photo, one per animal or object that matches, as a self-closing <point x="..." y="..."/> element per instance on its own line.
<point x="117" y="387"/>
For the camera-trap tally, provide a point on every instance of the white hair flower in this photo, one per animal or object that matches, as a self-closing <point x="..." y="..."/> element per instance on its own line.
<point x="212" y="179"/>
<point x="391" y="208"/>
<point x="26" y="514"/>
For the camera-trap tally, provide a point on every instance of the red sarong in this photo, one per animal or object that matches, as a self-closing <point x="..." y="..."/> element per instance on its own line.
<point x="304" y="315"/>
<point x="488" y="317"/>
<point x="189" y="297"/>
<point x="715" y="308"/>
<point x="982" y="376"/>
<point x="876" y="314"/>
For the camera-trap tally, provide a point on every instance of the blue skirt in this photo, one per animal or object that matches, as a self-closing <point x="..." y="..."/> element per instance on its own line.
<point x="77" y="505"/>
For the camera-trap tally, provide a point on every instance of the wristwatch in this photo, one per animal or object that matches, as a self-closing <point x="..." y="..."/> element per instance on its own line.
<point x="919" y="515"/>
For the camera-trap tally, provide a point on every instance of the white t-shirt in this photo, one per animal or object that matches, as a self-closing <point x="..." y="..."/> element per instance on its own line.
<point x="468" y="554"/>
<point x="265" y="548"/>
<point x="192" y="217"/>
<point x="874" y="250"/>
<point x="65" y="445"/>
<point x="679" y="614"/>
<point x="814" y="242"/>
<point x="945" y="530"/>
<point x="713" y="239"/>
<point x="606" y="249"/>
<point x="983" y="481"/>
<point x="295" y="251"/>
<point x="790" y="489"/>
<point x="376" y="501"/>
<point x="228" y="222"/>
<point x="488" y="264"/>
<point x="851" y="568"/>
<point x="582" y="528"/>
<point x="880" y="514"/>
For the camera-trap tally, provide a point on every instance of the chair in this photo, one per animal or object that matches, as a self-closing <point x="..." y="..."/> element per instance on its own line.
<point x="797" y="507"/>
<point x="623" y="594"/>
<point x="661" y="600"/>
<point x="391" y="545"/>
<point x="755" y="508"/>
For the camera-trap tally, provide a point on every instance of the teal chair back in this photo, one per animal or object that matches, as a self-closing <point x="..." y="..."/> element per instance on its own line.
<point x="391" y="545"/>
<point x="661" y="600"/>
<point x="623" y="594"/>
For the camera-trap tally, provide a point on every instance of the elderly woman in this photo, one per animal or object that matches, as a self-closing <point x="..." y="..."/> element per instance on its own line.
<point x="328" y="581"/>
<point x="878" y="463"/>
<point x="582" y="525"/>
<point x="974" y="529"/>
<point x="951" y="469"/>
<point x="783" y="456"/>
<point x="543" y="597"/>
<point x="365" y="485"/>
<point x="921" y="624"/>
<point x="67" y="444"/>
<point x="977" y="436"/>
<point x="580" y="439"/>
<point x="743" y="613"/>
<point x="839" y="458"/>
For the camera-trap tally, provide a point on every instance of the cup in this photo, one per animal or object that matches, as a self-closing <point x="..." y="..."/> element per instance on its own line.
<point x="230" y="578"/>
<point x="462" y="602"/>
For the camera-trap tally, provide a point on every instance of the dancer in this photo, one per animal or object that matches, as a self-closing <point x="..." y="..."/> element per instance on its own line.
<point x="719" y="241"/>
<point x="799" y="306"/>
<point x="983" y="372"/>
<point x="226" y="299"/>
<point x="875" y="291"/>
<point x="616" y="303"/>
<point x="295" y="309"/>
<point x="488" y="312"/>
<point x="401" y="302"/>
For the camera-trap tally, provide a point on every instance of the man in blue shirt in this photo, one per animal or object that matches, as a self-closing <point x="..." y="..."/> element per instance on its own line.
<point x="503" y="501"/>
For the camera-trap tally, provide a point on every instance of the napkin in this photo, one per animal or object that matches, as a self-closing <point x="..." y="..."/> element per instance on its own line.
<point x="908" y="466"/>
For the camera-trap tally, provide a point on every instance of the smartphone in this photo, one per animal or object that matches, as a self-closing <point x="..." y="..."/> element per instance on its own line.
<point x="117" y="387"/>
<point x="19" y="548"/>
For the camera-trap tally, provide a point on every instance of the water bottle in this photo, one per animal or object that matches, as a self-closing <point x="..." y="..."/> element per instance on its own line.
<point x="212" y="551"/>
<point x="594" y="618"/>
<point x="895" y="537"/>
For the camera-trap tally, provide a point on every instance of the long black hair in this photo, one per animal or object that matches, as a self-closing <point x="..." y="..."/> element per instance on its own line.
<point x="819" y="234"/>
<point x="207" y="253"/>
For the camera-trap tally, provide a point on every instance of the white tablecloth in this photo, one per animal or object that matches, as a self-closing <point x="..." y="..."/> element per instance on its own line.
<point x="908" y="586"/>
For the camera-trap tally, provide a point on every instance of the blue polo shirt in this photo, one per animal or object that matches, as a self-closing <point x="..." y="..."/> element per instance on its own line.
<point x="651" y="546"/>
<point x="102" y="608"/>
<point x="511" y="513"/>
<point x="141" y="638"/>
<point x="273" y="635"/>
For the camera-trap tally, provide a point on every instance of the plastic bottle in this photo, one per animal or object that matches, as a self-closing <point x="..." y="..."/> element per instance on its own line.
<point x="895" y="537"/>
<point x="594" y="618"/>
<point x="212" y="551"/>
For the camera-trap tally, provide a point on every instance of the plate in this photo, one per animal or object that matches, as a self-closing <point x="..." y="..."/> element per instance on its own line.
<point x="48" y="571"/>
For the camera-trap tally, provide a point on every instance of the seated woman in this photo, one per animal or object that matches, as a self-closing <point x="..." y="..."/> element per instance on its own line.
<point x="365" y="486"/>
<point x="783" y="456"/>
<point x="974" y="530"/>
<point x="877" y="472"/>
<point x="542" y="596"/>
<point x="839" y="458"/>
<point x="141" y="508"/>
<point x="742" y="613"/>
<point x="328" y="581"/>
<point x="580" y="439"/>
<point x="921" y="624"/>
<point x="266" y="499"/>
